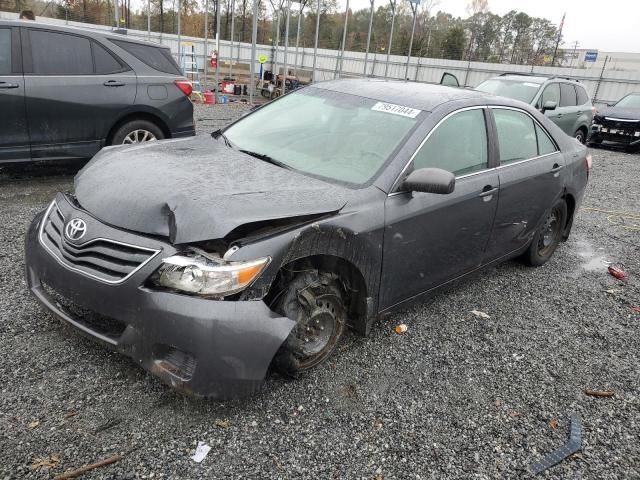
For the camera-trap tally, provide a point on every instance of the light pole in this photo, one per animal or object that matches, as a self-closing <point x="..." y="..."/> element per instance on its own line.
<point x="344" y="37"/>
<point x="393" y="4"/>
<point x="295" y="63"/>
<point x="414" y="9"/>
<point x="254" y="41"/>
<point x="366" y="54"/>
<point x="315" y="45"/>
<point x="206" y="41"/>
<point x="286" y="49"/>
<point x="218" y="50"/>
<point x="233" y="8"/>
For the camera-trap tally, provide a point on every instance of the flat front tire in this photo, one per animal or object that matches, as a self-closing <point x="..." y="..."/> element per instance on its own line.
<point x="315" y="301"/>
<point x="548" y="236"/>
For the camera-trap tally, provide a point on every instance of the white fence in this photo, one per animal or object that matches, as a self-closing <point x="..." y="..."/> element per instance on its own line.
<point x="603" y="86"/>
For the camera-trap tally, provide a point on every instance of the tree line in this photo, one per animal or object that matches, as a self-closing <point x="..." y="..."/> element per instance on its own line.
<point x="483" y="36"/>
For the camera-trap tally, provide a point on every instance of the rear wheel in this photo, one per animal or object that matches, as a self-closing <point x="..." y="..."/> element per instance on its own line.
<point x="137" y="131"/>
<point x="315" y="301"/>
<point x="580" y="136"/>
<point x="548" y="236"/>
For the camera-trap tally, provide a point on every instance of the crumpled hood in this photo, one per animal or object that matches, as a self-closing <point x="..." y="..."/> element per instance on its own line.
<point x="617" y="112"/>
<point x="196" y="189"/>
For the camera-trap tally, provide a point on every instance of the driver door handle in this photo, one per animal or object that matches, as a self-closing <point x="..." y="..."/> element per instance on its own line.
<point x="113" y="83"/>
<point x="487" y="192"/>
<point x="8" y="85"/>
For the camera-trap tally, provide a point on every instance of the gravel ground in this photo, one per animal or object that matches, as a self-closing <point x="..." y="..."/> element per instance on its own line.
<point x="456" y="396"/>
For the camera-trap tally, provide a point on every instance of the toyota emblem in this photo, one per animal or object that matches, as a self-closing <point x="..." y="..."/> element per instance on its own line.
<point x="75" y="229"/>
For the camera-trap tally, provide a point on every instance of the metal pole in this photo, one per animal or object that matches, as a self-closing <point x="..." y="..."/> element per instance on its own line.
<point x="218" y="49"/>
<point x="393" y="21"/>
<point x="604" y="65"/>
<point x="315" y="45"/>
<point x="149" y="20"/>
<point x="344" y="37"/>
<point x="179" y="32"/>
<point x="254" y="41"/>
<point x="117" y="10"/>
<point x="275" y="53"/>
<point x="366" y="55"/>
<point x="414" y="9"/>
<point x="286" y="49"/>
<point x="233" y="7"/>
<point x="206" y="42"/>
<point x="295" y="63"/>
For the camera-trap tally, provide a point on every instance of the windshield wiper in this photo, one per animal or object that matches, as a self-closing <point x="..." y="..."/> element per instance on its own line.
<point x="267" y="158"/>
<point x="218" y="134"/>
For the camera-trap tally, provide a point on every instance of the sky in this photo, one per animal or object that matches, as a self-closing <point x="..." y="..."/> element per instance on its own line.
<point x="609" y="26"/>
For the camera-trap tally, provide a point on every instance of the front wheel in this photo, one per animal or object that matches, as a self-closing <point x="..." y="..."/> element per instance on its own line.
<point x="137" y="131"/>
<point x="548" y="236"/>
<point x="580" y="136"/>
<point x="315" y="301"/>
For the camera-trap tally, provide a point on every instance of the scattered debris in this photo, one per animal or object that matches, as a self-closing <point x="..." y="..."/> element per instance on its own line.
<point x="636" y="309"/>
<point x="34" y="424"/>
<point x="112" y="422"/>
<point x="617" y="271"/>
<point x="612" y="291"/>
<point x="254" y="424"/>
<point x="70" y="414"/>
<point x="378" y="424"/>
<point x="480" y="314"/>
<point x="553" y="423"/>
<point x="599" y="393"/>
<point x="573" y="445"/>
<point x="48" y="463"/>
<point x="201" y="452"/>
<point x="222" y="423"/>
<point x="400" y="328"/>
<point x="87" y="468"/>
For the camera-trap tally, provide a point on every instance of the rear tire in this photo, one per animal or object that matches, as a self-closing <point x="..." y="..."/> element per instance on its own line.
<point x="580" y="136"/>
<point x="137" y="131"/>
<point x="548" y="236"/>
<point x="315" y="301"/>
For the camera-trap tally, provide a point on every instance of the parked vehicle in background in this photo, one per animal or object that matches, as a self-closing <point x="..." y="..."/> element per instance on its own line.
<point x="618" y="124"/>
<point x="268" y="239"/>
<point x="67" y="92"/>
<point x="563" y="100"/>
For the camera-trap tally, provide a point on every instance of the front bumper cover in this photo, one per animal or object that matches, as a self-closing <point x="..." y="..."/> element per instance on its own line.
<point x="218" y="349"/>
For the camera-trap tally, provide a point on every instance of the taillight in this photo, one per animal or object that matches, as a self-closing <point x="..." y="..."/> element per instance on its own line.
<point x="185" y="86"/>
<point x="589" y="164"/>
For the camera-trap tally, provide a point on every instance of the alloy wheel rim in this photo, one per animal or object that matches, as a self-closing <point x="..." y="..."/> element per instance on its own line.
<point x="139" y="136"/>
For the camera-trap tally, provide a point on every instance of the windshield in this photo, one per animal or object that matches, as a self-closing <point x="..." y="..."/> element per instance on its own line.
<point x="630" y="101"/>
<point x="518" y="90"/>
<point x="327" y="134"/>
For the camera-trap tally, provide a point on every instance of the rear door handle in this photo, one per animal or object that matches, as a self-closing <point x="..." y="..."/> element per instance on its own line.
<point x="487" y="192"/>
<point x="113" y="83"/>
<point x="556" y="168"/>
<point x="8" y="85"/>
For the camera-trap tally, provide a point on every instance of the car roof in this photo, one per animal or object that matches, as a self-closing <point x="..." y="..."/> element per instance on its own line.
<point x="91" y="32"/>
<point x="540" y="79"/>
<point x="423" y="96"/>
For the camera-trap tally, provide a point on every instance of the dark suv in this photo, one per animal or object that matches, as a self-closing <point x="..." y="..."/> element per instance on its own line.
<point x="563" y="100"/>
<point x="67" y="92"/>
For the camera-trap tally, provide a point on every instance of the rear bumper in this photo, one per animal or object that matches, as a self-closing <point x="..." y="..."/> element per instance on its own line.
<point x="218" y="349"/>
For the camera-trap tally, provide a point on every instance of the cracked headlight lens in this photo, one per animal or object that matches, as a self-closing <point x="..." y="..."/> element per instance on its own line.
<point x="204" y="275"/>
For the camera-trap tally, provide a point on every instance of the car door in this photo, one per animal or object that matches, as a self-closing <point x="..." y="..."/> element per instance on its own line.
<point x="429" y="238"/>
<point x="566" y="115"/>
<point x="530" y="179"/>
<point x="14" y="136"/>
<point x="74" y="88"/>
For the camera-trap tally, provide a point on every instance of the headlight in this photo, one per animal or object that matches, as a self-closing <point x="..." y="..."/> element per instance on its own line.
<point x="207" y="275"/>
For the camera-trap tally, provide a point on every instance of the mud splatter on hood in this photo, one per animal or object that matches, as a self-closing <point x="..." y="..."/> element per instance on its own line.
<point x="196" y="189"/>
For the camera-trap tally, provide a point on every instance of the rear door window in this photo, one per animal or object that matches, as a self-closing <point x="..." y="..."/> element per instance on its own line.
<point x="458" y="145"/>
<point x="567" y="95"/>
<point x="516" y="135"/>
<point x="5" y="51"/>
<point x="157" y="58"/>
<point x="55" y="53"/>
<point x="583" y="98"/>
<point x="105" y="62"/>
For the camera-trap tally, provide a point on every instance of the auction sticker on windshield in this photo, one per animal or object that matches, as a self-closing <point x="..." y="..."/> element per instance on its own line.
<point x="396" y="109"/>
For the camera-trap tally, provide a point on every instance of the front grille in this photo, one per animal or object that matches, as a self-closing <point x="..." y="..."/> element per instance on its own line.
<point x="627" y="127"/>
<point x="100" y="258"/>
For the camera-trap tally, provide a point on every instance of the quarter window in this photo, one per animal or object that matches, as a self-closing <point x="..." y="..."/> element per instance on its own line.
<point x="459" y="144"/>
<point x="158" y="58"/>
<point x="516" y="135"/>
<point x="583" y="98"/>
<point x="567" y="95"/>
<point x="60" y="54"/>
<point x="5" y="51"/>
<point x="104" y="61"/>
<point x="545" y="145"/>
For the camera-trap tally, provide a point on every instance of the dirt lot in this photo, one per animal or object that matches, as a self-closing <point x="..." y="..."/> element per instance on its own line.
<point x="456" y="396"/>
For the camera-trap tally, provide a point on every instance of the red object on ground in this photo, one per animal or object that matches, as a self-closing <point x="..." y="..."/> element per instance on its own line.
<point x="209" y="97"/>
<point x="617" y="272"/>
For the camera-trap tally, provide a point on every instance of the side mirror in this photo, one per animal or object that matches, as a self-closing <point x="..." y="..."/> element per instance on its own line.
<point x="449" y="80"/>
<point x="549" y="105"/>
<point x="430" y="180"/>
